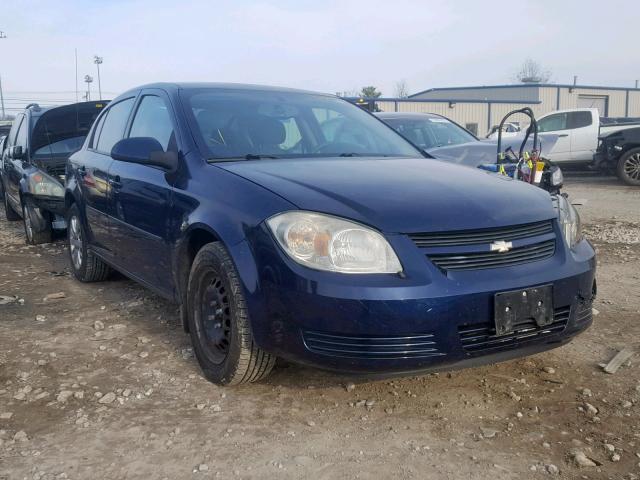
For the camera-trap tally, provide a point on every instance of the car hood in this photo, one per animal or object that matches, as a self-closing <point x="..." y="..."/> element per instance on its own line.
<point x="400" y="194"/>
<point x="473" y="154"/>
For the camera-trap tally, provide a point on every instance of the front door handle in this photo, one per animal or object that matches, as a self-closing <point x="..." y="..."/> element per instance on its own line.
<point x="115" y="182"/>
<point x="563" y="135"/>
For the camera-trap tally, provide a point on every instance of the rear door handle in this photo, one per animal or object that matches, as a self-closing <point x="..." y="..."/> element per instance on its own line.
<point x="563" y="135"/>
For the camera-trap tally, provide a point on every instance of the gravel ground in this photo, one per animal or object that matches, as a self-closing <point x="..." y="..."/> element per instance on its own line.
<point x="99" y="381"/>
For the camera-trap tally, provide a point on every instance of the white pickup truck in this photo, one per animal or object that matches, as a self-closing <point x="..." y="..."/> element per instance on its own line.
<point x="578" y="131"/>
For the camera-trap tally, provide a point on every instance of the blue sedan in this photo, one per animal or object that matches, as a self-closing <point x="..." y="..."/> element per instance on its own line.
<point x="282" y="232"/>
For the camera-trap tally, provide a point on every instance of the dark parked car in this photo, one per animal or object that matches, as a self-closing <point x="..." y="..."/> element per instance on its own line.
<point x="620" y="151"/>
<point x="351" y="252"/>
<point x="33" y="164"/>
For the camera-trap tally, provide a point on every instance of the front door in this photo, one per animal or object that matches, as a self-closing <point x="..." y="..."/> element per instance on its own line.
<point x="557" y="124"/>
<point x="13" y="167"/>
<point x="142" y="196"/>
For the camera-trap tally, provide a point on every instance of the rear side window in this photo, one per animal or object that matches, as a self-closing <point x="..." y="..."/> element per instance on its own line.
<point x="153" y="120"/>
<point x="552" y="123"/>
<point x="579" y="119"/>
<point x="114" y="125"/>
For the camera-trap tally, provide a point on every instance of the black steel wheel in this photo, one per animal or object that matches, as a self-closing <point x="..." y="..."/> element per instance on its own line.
<point x="219" y="321"/>
<point x="216" y="317"/>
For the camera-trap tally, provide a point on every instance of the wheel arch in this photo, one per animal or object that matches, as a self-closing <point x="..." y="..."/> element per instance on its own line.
<point x="194" y="238"/>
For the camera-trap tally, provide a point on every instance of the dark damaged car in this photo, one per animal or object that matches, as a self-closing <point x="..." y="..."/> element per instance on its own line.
<point x="34" y="162"/>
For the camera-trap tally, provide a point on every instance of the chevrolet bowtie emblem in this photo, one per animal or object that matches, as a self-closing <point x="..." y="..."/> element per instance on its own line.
<point x="501" y="246"/>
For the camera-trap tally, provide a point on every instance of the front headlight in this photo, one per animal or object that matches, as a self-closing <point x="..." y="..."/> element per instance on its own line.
<point x="569" y="221"/>
<point x="329" y="243"/>
<point x="42" y="184"/>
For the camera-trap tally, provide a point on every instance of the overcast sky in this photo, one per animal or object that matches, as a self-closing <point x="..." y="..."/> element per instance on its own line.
<point x="328" y="46"/>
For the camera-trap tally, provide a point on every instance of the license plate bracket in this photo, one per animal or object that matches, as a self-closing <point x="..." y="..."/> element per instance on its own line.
<point x="517" y="306"/>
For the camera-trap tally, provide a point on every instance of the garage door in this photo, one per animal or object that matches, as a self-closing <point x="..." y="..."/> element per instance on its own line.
<point x="594" y="101"/>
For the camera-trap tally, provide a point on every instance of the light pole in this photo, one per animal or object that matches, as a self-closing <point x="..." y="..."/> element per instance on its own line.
<point x="2" y="35"/>
<point x="88" y="80"/>
<point x="98" y="61"/>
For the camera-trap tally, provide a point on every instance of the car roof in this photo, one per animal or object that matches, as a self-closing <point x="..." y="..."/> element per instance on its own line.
<point x="176" y="86"/>
<point x="414" y="115"/>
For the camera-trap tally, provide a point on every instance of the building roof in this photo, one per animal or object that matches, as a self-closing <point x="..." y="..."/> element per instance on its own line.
<point x="524" y="85"/>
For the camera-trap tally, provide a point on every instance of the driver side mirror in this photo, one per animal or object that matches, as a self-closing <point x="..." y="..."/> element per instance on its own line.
<point x="144" y="151"/>
<point x="17" y="152"/>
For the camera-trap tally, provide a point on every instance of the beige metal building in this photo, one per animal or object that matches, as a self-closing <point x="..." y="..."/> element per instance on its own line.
<point x="479" y="108"/>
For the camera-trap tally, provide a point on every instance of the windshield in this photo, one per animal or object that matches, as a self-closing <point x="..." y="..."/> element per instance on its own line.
<point x="430" y="132"/>
<point x="235" y="124"/>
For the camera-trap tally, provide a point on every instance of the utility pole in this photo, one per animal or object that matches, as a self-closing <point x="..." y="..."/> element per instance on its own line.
<point x="2" y="35"/>
<point x="636" y="83"/>
<point x="88" y="79"/>
<point x="98" y="61"/>
<point x="2" y="100"/>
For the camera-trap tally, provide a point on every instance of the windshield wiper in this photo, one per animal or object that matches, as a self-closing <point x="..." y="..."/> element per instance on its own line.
<point x="248" y="156"/>
<point x="349" y="154"/>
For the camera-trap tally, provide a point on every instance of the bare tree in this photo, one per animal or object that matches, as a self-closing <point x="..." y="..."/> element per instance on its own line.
<point x="401" y="89"/>
<point x="532" y="72"/>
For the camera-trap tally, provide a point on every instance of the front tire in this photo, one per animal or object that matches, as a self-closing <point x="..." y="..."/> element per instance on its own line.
<point x="85" y="265"/>
<point x="9" y="212"/>
<point x="629" y="167"/>
<point x="34" y="236"/>
<point x="219" y="321"/>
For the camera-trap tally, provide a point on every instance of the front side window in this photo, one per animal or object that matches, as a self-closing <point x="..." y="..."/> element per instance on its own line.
<point x="11" y="138"/>
<point x="234" y="123"/>
<point x="153" y="120"/>
<point x="21" y="136"/>
<point x="557" y="121"/>
<point x="114" y="125"/>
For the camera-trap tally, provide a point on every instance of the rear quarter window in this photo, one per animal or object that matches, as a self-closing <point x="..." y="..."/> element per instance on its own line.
<point x="579" y="119"/>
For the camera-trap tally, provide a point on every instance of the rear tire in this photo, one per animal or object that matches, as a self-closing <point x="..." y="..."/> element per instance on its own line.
<point x="219" y="321"/>
<point x="9" y="212"/>
<point x="33" y="236"/>
<point x="629" y="167"/>
<point x="85" y="265"/>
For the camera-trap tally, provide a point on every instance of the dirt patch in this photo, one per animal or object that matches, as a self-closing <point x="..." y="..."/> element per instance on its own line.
<point x="102" y="383"/>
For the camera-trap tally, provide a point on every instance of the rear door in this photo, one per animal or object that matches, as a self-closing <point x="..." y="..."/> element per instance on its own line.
<point x="556" y="123"/>
<point x="142" y="195"/>
<point x="93" y="173"/>
<point x="584" y="135"/>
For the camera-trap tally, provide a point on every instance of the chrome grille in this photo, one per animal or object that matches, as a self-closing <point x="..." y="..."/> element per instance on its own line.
<point x="372" y="347"/>
<point x="478" y="260"/>
<point x="472" y="237"/>
<point x="481" y="337"/>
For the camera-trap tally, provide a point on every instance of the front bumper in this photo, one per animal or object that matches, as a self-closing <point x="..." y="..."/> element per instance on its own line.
<point x="429" y="320"/>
